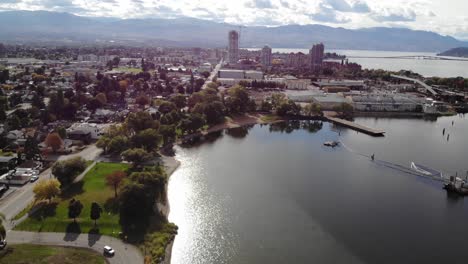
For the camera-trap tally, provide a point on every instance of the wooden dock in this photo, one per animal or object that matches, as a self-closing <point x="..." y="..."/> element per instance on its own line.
<point x="367" y="130"/>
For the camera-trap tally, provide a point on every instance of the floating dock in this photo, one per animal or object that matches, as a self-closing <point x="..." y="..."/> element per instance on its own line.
<point x="367" y="130"/>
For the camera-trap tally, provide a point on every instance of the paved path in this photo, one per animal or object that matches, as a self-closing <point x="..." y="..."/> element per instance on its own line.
<point x="124" y="253"/>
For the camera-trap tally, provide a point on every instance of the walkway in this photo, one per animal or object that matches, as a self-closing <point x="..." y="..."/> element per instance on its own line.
<point x="360" y="128"/>
<point x="124" y="253"/>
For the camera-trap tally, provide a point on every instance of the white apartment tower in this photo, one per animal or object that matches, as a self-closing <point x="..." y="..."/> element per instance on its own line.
<point x="233" y="48"/>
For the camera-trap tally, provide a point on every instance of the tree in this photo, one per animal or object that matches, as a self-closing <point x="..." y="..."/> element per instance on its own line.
<point x="95" y="212"/>
<point x="142" y="100"/>
<point x="31" y="148"/>
<point x="140" y="121"/>
<point x="54" y="141"/>
<point x="67" y="170"/>
<point x="344" y="109"/>
<point x="136" y="155"/>
<point x="191" y="124"/>
<point x="114" y="179"/>
<point x="117" y="144"/>
<point x="74" y="209"/>
<point x="167" y="107"/>
<point x="38" y="101"/>
<point x="47" y="189"/>
<point x="62" y="132"/>
<point x="147" y="139"/>
<point x="2" y="227"/>
<point x="135" y="206"/>
<point x="179" y="100"/>
<point x="238" y="100"/>
<point x="102" y="98"/>
<point x="168" y="133"/>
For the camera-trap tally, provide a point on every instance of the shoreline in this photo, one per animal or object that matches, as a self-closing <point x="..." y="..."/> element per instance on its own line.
<point x="171" y="164"/>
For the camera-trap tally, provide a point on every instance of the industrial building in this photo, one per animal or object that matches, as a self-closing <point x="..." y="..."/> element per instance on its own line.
<point x="385" y="103"/>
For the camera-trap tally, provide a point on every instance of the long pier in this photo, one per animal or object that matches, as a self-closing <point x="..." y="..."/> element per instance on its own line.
<point x="367" y="130"/>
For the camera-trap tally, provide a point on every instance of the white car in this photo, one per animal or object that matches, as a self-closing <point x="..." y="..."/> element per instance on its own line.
<point x="3" y="244"/>
<point x="34" y="178"/>
<point x="109" y="251"/>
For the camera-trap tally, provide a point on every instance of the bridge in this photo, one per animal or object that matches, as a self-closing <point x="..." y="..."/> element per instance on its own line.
<point x="409" y="57"/>
<point x="427" y="87"/>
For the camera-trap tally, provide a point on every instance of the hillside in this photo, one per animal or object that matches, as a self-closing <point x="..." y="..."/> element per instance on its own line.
<point x="456" y="52"/>
<point x="53" y="27"/>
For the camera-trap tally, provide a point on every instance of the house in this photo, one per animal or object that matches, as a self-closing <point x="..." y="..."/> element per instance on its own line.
<point x="8" y="162"/>
<point x="80" y="135"/>
<point x="83" y="129"/>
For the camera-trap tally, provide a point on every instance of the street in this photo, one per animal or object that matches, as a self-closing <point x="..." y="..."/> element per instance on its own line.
<point x="124" y="253"/>
<point x="213" y="74"/>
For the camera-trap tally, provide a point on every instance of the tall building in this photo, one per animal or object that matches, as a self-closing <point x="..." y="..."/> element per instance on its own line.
<point x="266" y="56"/>
<point x="233" y="48"/>
<point x="316" y="56"/>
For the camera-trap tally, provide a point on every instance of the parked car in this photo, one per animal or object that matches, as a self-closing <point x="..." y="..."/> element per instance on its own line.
<point x="109" y="251"/>
<point x="34" y="178"/>
<point x="3" y="244"/>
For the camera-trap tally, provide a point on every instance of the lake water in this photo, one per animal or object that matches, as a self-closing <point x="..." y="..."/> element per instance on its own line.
<point x="275" y="194"/>
<point x="427" y="68"/>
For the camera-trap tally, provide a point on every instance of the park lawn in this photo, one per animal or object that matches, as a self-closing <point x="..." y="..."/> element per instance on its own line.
<point x="37" y="254"/>
<point x="54" y="216"/>
<point x="128" y="69"/>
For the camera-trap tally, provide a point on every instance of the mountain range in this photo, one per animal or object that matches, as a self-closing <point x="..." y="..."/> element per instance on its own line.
<point x="65" y="28"/>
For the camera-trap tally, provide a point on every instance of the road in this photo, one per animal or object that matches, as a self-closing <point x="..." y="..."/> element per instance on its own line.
<point x="213" y="74"/>
<point x="124" y="253"/>
<point x="21" y="198"/>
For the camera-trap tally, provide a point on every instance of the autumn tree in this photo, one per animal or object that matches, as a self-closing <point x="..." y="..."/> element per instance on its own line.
<point x="114" y="179"/>
<point x="95" y="212"/>
<point x="74" y="209"/>
<point x="54" y="141"/>
<point x="47" y="189"/>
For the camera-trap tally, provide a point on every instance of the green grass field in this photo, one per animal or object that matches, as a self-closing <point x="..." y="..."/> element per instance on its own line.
<point x="128" y="69"/>
<point x="35" y="254"/>
<point x="53" y="217"/>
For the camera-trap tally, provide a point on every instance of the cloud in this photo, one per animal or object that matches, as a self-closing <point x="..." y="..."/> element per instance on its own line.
<point x="328" y="15"/>
<point x="260" y="4"/>
<point x="394" y="15"/>
<point x="344" y="6"/>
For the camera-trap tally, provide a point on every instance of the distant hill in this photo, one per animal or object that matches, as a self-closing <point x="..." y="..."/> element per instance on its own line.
<point x="456" y="52"/>
<point x="52" y="27"/>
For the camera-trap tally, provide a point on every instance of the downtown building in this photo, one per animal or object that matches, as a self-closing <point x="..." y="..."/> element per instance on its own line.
<point x="265" y="58"/>
<point x="233" y="47"/>
<point x="316" y="54"/>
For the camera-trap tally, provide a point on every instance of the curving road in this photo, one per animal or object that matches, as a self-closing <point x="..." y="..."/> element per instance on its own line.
<point x="124" y="253"/>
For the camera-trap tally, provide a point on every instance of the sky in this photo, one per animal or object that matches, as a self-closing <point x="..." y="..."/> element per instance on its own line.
<point x="447" y="17"/>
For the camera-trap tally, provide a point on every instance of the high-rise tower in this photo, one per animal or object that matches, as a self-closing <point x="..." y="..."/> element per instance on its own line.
<point x="266" y="56"/>
<point x="316" y="56"/>
<point x="233" y="49"/>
